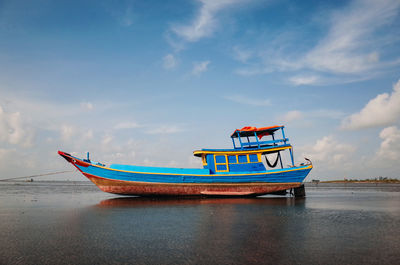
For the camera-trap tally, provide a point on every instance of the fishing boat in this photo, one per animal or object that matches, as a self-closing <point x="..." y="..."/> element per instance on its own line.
<point x="238" y="171"/>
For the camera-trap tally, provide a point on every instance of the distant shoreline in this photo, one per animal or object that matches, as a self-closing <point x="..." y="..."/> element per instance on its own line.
<point x="358" y="181"/>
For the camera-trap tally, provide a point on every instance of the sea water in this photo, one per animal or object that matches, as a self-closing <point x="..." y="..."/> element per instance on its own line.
<point x="76" y="223"/>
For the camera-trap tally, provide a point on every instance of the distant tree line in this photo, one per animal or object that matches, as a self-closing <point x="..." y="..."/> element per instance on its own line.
<point x="372" y="180"/>
<point x="376" y="179"/>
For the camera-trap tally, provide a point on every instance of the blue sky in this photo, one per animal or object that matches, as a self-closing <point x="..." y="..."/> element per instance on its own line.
<point x="148" y="82"/>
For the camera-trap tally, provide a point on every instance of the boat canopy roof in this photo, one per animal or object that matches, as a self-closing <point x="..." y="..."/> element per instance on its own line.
<point x="252" y="131"/>
<point x="251" y="146"/>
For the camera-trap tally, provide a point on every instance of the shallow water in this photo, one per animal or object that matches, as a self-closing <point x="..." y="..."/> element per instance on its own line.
<point x="75" y="223"/>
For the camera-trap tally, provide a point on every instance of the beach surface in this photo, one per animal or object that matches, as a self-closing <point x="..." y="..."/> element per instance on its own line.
<point x="76" y="223"/>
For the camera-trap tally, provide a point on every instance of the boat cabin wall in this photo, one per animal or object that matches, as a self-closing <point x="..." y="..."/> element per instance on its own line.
<point x="233" y="163"/>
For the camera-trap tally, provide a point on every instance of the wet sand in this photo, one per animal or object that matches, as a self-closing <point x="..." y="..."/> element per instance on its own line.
<point x="75" y="223"/>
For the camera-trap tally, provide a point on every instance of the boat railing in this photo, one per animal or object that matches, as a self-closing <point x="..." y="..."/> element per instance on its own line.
<point x="263" y="143"/>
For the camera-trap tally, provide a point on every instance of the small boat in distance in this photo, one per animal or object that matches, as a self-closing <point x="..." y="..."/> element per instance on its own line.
<point x="239" y="171"/>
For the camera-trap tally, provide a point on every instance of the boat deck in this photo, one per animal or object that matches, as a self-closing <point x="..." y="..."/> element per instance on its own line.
<point x="164" y="170"/>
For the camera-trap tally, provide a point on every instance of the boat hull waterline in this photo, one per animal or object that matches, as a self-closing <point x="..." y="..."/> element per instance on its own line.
<point x="166" y="184"/>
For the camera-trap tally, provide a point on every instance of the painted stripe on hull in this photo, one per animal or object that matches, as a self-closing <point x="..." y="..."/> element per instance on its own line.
<point x="191" y="189"/>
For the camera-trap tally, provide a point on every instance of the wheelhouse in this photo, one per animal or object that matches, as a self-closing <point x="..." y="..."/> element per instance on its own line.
<point x="249" y="147"/>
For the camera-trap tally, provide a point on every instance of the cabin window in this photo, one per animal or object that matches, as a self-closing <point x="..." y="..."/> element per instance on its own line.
<point x="220" y="159"/>
<point x="221" y="163"/>
<point x="253" y="158"/>
<point x="232" y="159"/>
<point x="242" y="158"/>
<point x="221" y="168"/>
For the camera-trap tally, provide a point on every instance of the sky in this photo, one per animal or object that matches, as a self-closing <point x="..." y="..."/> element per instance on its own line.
<point x="149" y="82"/>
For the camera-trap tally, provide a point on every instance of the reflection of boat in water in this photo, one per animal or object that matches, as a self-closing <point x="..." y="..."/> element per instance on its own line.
<point x="193" y="201"/>
<point x="226" y="172"/>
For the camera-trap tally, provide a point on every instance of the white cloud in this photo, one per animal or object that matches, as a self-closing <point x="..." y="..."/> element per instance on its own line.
<point x="169" y="61"/>
<point x="304" y="80"/>
<point x="205" y="22"/>
<point x="49" y="115"/>
<point x="349" y="46"/>
<point x="9" y="159"/>
<point x="13" y="129"/>
<point x="326" y="113"/>
<point x="4" y="154"/>
<point x="353" y="46"/>
<point x="328" y="151"/>
<point x="127" y="125"/>
<point x="67" y="132"/>
<point x="390" y="146"/>
<point x="73" y="135"/>
<point x="166" y="129"/>
<point x="200" y="67"/>
<point x="248" y="101"/>
<point x="106" y="139"/>
<point x="306" y="119"/>
<point x="242" y="55"/>
<point x="177" y="44"/>
<point x="383" y="110"/>
<point x="292" y="116"/>
<point x="297" y="119"/>
<point x="148" y="163"/>
<point x="58" y="128"/>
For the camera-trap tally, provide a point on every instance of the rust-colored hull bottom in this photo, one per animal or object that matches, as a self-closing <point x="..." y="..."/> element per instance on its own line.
<point x="189" y="189"/>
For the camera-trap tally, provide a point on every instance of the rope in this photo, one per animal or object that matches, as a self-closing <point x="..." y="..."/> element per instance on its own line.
<point x="39" y="175"/>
